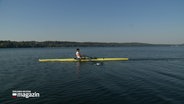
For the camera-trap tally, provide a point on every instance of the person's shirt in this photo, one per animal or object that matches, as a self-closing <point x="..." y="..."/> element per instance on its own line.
<point x="78" y="54"/>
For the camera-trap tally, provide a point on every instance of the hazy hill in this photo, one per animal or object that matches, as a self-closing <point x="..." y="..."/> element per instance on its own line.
<point x="27" y="44"/>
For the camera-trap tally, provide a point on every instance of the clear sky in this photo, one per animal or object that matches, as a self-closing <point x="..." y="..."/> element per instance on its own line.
<point x="149" y="21"/>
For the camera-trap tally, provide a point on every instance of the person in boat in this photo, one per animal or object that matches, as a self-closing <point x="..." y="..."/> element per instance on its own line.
<point x="78" y="55"/>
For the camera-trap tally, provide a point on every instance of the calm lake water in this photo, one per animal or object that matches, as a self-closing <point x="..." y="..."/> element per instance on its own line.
<point x="153" y="75"/>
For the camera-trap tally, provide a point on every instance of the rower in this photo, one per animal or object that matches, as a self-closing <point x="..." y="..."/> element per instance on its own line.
<point x="78" y="55"/>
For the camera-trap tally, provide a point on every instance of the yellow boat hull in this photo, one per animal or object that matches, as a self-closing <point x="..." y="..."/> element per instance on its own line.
<point x="82" y="60"/>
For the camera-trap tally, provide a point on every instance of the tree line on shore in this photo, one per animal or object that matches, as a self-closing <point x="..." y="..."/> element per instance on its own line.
<point x="32" y="44"/>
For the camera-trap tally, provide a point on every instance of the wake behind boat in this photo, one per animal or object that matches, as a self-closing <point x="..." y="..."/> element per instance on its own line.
<point x="82" y="60"/>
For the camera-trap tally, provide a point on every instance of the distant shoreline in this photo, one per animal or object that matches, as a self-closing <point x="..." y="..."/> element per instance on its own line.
<point x="37" y="44"/>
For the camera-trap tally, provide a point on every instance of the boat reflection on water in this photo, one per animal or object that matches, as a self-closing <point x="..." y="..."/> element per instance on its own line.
<point x="78" y="69"/>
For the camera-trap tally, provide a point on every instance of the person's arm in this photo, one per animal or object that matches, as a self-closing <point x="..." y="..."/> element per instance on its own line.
<point x="80" y="55"/>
